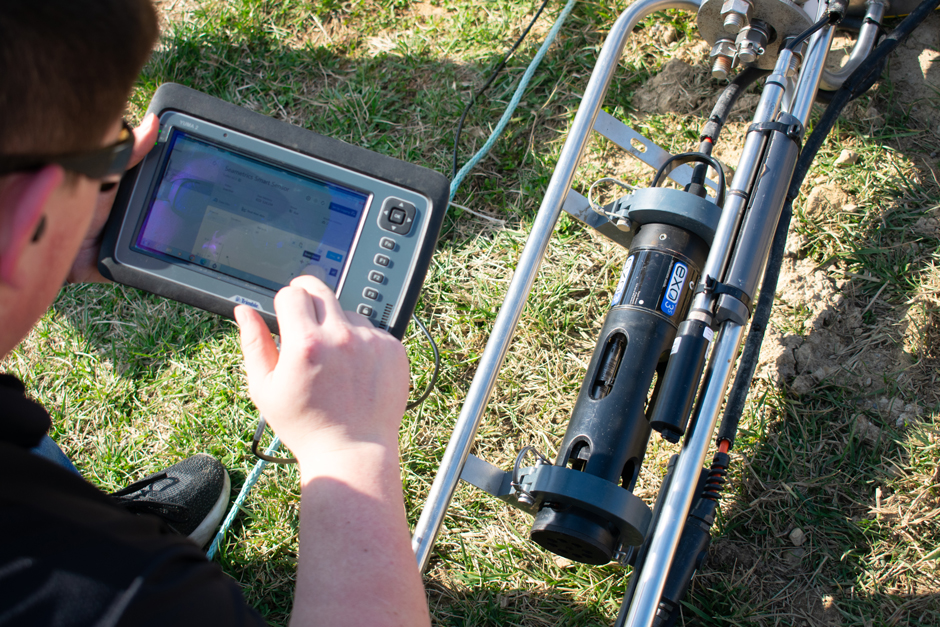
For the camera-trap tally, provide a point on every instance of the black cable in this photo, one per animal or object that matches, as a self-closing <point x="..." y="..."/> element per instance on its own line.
<point x="437" y="366"/>
<point x="806" y="34"/>
<point x="870" y="69"/>
<point x="867" y="73"/>
<point x="750" y="355"/>
<point x="716" y="121"/>
<point x="824" y="96"/>
<point x="489" y="81"/>
<point x="683" y="158"/>
<point x="729" y="96"/>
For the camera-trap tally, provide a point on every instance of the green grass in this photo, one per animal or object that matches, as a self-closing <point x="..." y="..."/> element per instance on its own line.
<point x="135" y="382"/>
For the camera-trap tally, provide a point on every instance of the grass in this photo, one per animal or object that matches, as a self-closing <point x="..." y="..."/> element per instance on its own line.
<point x="135" y="382"/>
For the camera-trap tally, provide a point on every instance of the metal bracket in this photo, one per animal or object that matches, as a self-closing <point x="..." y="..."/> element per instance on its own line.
<point x="646" y="206"/>
<point x="564" y="486"/>
<point x="495" y="482"/>
<point x="577" y="206"/>
<point x="652" y="155"/>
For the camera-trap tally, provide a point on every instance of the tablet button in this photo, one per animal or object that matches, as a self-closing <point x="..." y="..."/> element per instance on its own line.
<point x="376" y="277"/>
<point x="370" y="293"/>
<point x="382" y="260"/>
<point x="365" y="310"/>
<point x="387" y="243"/>
<point x="397" y="216"/>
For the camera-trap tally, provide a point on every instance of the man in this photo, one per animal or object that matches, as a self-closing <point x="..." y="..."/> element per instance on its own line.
<point x="71" y="555"/>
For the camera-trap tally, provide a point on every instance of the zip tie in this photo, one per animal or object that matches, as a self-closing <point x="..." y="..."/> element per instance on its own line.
<point x="514" y="102"/>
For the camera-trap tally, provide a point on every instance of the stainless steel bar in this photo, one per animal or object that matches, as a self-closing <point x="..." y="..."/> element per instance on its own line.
<point x="738" y="194"/>
<point x="455" y="455"/>
<point x="675" y="507"/>
<point x="863" y="46"/>
<point x="810" y="72"/>
<point x="665" y="537"/>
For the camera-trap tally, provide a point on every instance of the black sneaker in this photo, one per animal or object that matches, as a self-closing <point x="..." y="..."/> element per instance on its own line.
<point x="189" y="496"/>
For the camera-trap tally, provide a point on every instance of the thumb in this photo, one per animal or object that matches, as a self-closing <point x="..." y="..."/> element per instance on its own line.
<point x="145" y="136"/>
<point x="257" y="345"/>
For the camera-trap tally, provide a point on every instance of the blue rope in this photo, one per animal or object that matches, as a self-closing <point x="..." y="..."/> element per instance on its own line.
<point x="255" y="474"/>
<point x="250" y="482"/>
<point x="514" y="102"/>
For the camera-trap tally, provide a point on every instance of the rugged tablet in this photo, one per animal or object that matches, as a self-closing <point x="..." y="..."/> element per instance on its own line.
<point x="230" y="205"/>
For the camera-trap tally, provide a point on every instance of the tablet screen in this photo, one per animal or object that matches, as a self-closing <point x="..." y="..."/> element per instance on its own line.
<point x="242" y="217"/>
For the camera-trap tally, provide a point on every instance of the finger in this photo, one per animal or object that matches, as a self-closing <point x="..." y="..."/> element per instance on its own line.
<point x="257" y="344"/>
<point x="328" y="308"/>
<point x="145" y="136"/>
<point x="297" y="315"/>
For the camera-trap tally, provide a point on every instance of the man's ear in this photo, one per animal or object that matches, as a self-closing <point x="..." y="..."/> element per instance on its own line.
<point x="22" y="199"/>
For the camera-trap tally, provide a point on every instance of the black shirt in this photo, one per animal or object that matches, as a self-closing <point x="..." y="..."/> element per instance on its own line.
<point x="70" y="556"/>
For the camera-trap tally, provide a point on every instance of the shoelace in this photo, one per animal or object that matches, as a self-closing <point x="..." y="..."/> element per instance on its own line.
<point x="137" y="499"/>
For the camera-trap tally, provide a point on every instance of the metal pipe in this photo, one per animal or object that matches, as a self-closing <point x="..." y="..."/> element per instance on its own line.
<point x="754" y="144"/>
<point x="676" y="505"/>
<point x="867" y="36"/>
<point x="455" y="456"/>
<point x="814" y="62"/>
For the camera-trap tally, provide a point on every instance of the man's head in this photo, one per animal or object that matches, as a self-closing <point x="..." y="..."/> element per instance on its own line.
<point x="67" y="67"/>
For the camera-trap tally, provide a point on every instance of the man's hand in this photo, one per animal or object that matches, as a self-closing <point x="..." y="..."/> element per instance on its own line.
<point x="335" y="395"/>
<point x="85" y="268"/>
<point x="338" y="382"/>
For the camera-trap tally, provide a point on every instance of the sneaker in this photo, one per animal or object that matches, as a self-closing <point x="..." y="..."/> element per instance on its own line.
<point x="190" y="496"/>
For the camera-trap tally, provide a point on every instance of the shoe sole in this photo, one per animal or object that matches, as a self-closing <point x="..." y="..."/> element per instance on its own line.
<point x="206" y="529"/>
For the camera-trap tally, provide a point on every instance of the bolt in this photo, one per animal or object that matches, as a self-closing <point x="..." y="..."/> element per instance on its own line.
<point x="623" y="224"/>
<point x="748" y="53"/>
<point x="793" y="67"/>
<point x="722" y="68"/>
<point x="734" y="14"/>
<point x="722" y="56"/>
<point x="796" y="59"/>
<point x="734" y="22"/>
<point x="525" y="498"/>
<point x="751" y="42"/>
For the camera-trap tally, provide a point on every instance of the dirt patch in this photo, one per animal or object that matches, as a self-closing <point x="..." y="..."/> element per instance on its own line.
<point x="678" y="88"/>
<point x="817" y="335"/>
<point x="825" y="200"/>
<point x="427" y="10"/>
<point x="914" y="69"/>
<point x="175" y="11"/>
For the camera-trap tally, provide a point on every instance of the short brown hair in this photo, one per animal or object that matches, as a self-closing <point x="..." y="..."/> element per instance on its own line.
<point x="68" y="67"/>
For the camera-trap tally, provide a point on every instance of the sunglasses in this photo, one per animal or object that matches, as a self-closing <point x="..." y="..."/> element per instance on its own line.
<point x="95" y="164"/>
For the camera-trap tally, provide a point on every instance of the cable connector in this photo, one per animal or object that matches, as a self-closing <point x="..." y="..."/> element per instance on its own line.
<point x="837" y="10"/>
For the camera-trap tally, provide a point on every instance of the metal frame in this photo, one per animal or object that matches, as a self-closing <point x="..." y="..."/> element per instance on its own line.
<point x="458" y="448"/>
<point x="738" y="233"/>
